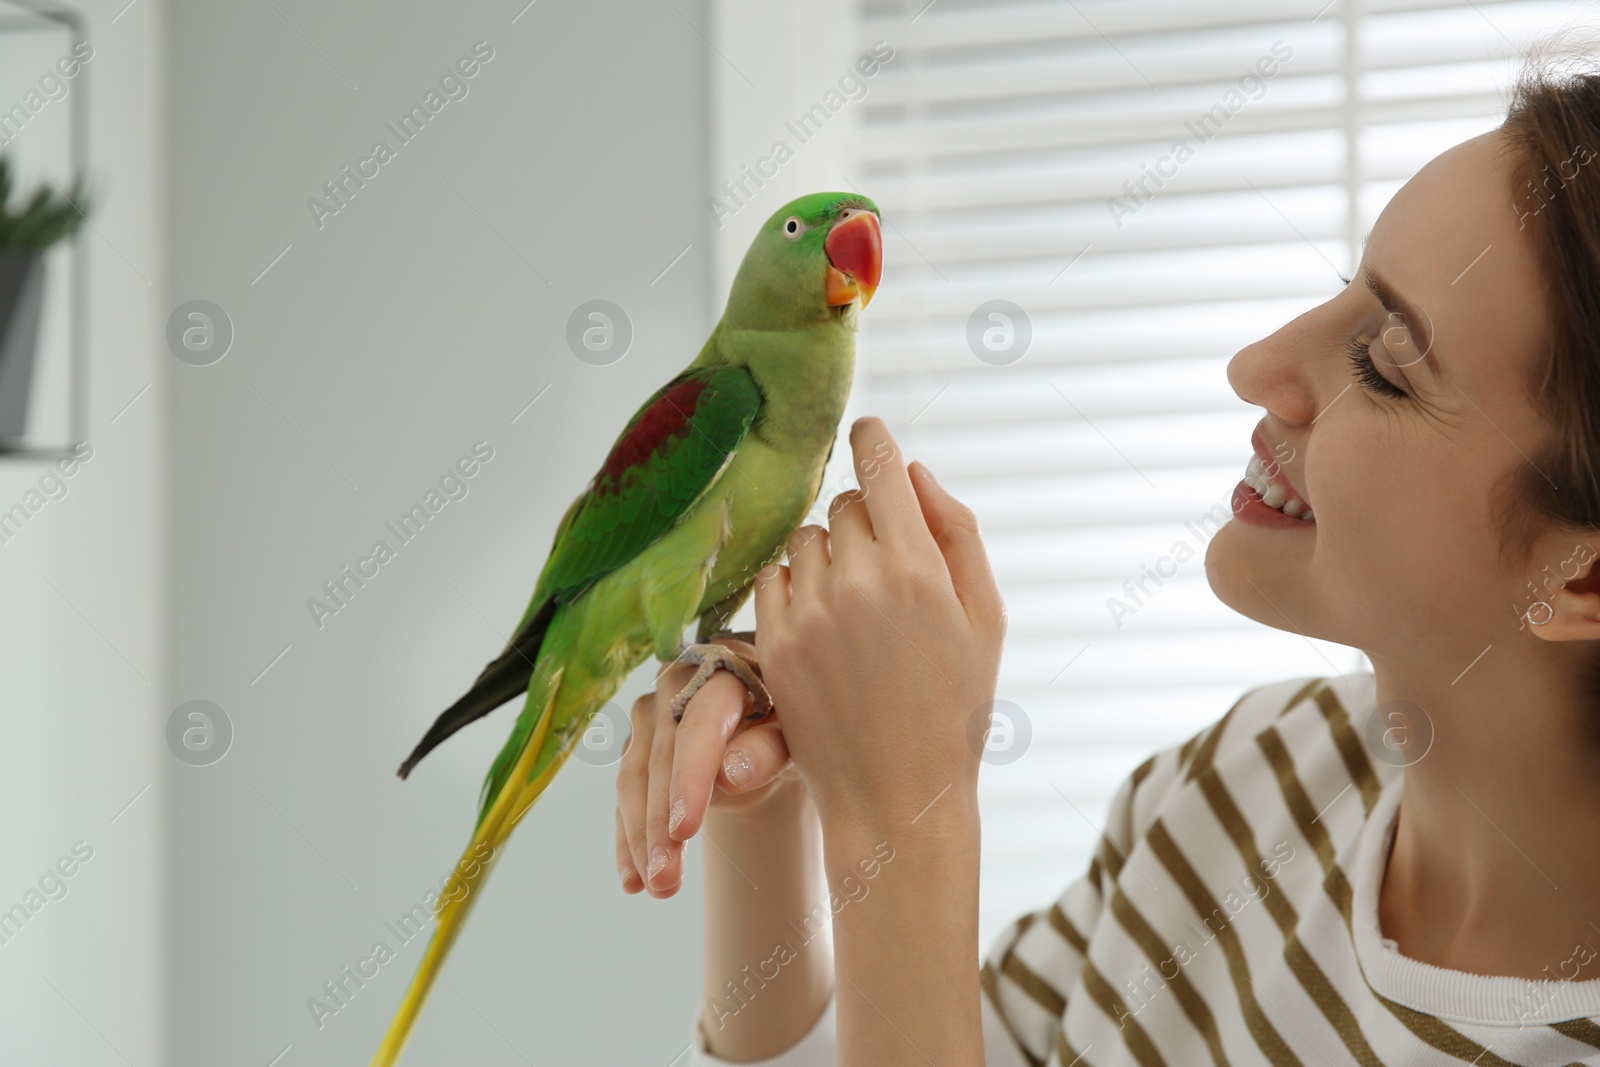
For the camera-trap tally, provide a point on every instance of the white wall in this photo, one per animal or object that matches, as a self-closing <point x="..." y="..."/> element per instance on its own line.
<point x="771" y="62"/>
<point x="82" y="655"/>
<point x="367" y="359"/>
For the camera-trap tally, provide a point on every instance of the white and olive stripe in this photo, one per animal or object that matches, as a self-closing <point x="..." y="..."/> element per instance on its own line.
<point x="1176" y="949"/>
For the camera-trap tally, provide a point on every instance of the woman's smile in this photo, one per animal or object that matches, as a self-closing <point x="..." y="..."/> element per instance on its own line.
<point x="1267" y="495"/>
<point x="1251" y="507"/>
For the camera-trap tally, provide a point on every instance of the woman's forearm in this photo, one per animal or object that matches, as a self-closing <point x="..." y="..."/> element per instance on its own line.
<point x="769" y="966"/>
<point x="906" y="951"/>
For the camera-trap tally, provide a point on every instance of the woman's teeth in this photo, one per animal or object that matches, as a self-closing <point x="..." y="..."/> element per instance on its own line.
<point x="1272" y="494"/>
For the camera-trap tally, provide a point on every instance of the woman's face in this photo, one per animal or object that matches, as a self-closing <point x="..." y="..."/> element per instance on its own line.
<point x="1402" y="556"/>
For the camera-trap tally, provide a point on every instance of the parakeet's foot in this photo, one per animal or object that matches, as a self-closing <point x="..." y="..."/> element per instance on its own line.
<point x="710" y="657"/>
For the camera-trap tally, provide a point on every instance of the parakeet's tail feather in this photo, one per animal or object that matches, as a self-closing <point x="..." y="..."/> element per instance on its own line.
<point x="502" y="680"/>
<point x="494" y="827"/>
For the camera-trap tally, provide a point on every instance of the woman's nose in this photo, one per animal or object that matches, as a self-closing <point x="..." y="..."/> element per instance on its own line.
<point x="1280" y="372"/>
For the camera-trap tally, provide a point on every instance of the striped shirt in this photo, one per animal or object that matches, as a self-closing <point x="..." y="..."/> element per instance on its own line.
<point x="1230" y="916"/>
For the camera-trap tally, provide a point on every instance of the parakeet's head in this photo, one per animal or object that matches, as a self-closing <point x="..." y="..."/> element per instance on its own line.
<point x="816" y="259"/>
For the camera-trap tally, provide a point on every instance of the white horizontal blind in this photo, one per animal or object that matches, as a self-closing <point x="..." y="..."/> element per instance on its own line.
<point x="992" y="143"/>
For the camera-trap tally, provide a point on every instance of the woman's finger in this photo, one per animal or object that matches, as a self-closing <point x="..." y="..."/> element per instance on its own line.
<point x="633" y="780"/>
<point x="631" y="882"/>
<point x="753" y="758"/>
<point x="710" y="717"/>
<point x="892" y="503"/>
<point x="849" y="524"/>
<point x="662" y="853"/>
<point x="808" y="560"/>
<point x="955" y="531"/>
<point x="771" y="597"/>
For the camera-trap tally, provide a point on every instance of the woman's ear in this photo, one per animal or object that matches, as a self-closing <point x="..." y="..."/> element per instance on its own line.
<point x="1570" y="612"/>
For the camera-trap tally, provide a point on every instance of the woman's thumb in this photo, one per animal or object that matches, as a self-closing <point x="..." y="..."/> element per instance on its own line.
<point x="754" y="757"/>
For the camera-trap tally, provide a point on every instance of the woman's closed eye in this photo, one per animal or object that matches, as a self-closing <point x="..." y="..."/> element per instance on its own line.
<point x="1367" y="373"/>
<point x="1360" y="353"/>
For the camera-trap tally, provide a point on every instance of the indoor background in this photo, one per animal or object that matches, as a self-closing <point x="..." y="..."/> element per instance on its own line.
<point x="1062" y="291"/>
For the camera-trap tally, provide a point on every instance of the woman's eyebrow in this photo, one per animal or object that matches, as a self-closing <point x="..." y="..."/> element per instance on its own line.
<point x="1396" y="304"/>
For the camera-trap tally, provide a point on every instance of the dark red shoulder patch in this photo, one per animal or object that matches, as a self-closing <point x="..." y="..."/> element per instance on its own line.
<point x="666" y="417"/>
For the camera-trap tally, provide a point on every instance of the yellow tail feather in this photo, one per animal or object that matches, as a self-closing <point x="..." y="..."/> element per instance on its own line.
<point x="494" y="830"/>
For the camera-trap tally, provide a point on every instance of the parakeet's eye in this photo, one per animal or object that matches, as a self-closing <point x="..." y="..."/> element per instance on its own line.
<point x="793" y="227"/>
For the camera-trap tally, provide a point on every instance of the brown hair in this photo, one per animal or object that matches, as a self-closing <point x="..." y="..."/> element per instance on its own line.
<point x="1553" y="127"/>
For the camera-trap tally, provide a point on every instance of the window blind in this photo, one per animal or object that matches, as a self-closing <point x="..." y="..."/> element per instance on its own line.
<point x="1027" y="153"/>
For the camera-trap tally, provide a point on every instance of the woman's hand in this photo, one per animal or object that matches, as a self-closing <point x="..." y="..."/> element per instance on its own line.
<point x="672" y="774"/>
<point x="881" y="642"/>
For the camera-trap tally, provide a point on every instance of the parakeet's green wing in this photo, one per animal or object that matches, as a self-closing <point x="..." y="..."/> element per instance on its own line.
<point x="673" y="449"/>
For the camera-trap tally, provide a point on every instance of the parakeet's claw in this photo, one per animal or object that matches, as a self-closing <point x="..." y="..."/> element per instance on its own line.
<point x="710" y="657"/>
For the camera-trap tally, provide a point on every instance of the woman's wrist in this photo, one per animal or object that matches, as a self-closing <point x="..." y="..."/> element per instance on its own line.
<point x="769" y="973"/>
<point x="894" y="880"/>
<point x="928" y="814"/>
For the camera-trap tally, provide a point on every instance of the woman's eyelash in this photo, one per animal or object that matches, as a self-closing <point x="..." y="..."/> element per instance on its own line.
<point x="1360" y="353"/>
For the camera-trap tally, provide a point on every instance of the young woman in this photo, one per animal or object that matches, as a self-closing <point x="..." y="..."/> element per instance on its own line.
<point x="1396" y="867"/>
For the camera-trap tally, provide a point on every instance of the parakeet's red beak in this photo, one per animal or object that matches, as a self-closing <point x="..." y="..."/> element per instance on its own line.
<point x="855" y="255"/>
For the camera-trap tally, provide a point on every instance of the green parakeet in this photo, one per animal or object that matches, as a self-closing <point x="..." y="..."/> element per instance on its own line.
<point x="700" y="491"/>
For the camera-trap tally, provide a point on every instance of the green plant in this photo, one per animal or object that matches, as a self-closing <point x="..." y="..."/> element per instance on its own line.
<point x="46" y="218"/>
